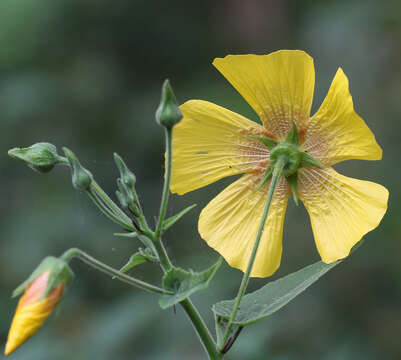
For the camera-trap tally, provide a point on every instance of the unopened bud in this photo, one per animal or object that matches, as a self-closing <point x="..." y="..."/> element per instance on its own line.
<point x="127" y="176"/>
<point x="168" y="113"/>
<point x="41" y="157"/>
<point x="81" y="177"/>
<point x="42" y="292"/>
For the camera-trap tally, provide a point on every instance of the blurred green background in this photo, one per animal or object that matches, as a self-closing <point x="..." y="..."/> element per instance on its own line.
<point x="87" y="74"/>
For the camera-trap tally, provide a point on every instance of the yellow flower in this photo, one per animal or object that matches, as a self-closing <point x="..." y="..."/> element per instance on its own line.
<point x="212" y="142"/>
<point x="32" y="311"/>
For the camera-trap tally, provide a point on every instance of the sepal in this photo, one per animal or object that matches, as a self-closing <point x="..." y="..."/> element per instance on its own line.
<point x="268" y="142"/>
<point x="308" y="160"/>
<point x="293" y="135"/>
<point x="59" y="272"/>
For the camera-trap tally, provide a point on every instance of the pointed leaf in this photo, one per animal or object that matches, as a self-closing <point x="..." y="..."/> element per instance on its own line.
<point x="135" y="259"/>
<point x="269" y="143"/>
<point x="273" y="296"/>
<point x="172" y="220"/>
<point x="184" y="283"/>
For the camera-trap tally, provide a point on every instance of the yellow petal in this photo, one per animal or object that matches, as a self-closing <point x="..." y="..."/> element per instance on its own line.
<point x="342" y="209"/>
<point x="278" y="86"/>
<point x="29" y="317"/>
<point x="336" y="132"/>
<point x="210" y="143"/>
<point x="230" y="222"/>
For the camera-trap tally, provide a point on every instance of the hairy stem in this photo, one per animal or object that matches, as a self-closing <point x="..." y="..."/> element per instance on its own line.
<point x="77" y="253"/>
<point x="167" y="180"/>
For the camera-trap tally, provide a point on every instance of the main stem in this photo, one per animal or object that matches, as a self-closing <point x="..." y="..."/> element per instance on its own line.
<point x="167" y="180"/>
<point x="245" y="279"/>
<point x="197" y="322"/>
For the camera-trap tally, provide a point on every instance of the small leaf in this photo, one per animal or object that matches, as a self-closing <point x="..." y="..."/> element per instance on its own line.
<point x="184" y="283"/>
<point x="273" y="296"/>
<point x="269" y="143"/>
<point x="172" y="220"/>
<point x="134" y="260"/>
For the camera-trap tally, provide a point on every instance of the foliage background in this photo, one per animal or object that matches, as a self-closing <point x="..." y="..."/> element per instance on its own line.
<point x="87" y="73"/>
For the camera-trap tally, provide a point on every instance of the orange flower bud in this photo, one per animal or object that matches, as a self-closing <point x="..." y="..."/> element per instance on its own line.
<point x="41" y="295"/>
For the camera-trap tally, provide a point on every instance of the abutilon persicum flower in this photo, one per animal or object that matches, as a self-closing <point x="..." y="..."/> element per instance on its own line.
<point x="43" y="291"/>
<point x="212" y="142"/>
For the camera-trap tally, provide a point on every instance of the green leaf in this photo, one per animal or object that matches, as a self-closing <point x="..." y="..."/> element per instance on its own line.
<point x="184" y="283"/>
<point x="172" y="220"/>
<point x="269" y="143"/>
<point x="138" y="258"/>
<point x="273" y="296"/>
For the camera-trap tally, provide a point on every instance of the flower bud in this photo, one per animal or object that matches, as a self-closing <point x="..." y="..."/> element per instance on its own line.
<point x="42" y="292"/>
<point x="168" y="113"/>
<point x="81" y="177"/>
<point x="41" y="157"/>
<point x="127" y="176"/>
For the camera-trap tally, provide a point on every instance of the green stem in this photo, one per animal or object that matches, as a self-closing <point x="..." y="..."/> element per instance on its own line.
<point x="167" y="180"/>
<point x="110" y="203"/>
<point x="162" y="254"/>
<point x="191" y="311"/>
<point x="245" y="279"/>
<point x="78" y="253"/>
<point x="105" y="210"/>
<point x="104" y="202"/>
<point x="201" y="329"/>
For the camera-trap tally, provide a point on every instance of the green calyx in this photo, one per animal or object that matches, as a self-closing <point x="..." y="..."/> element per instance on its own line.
<point x="293" y="157"/>
<point x="59" y="272"/>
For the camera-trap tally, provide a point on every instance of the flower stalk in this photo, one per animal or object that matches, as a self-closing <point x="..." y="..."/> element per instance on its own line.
<point x="78" y="253"/>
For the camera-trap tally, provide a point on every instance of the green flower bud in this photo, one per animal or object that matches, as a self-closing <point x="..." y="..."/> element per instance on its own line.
<point x="81" y="177"/>
<point x="168" y="113"/>
<point x="41" y="157"/>
<point x="127" y="176"/>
